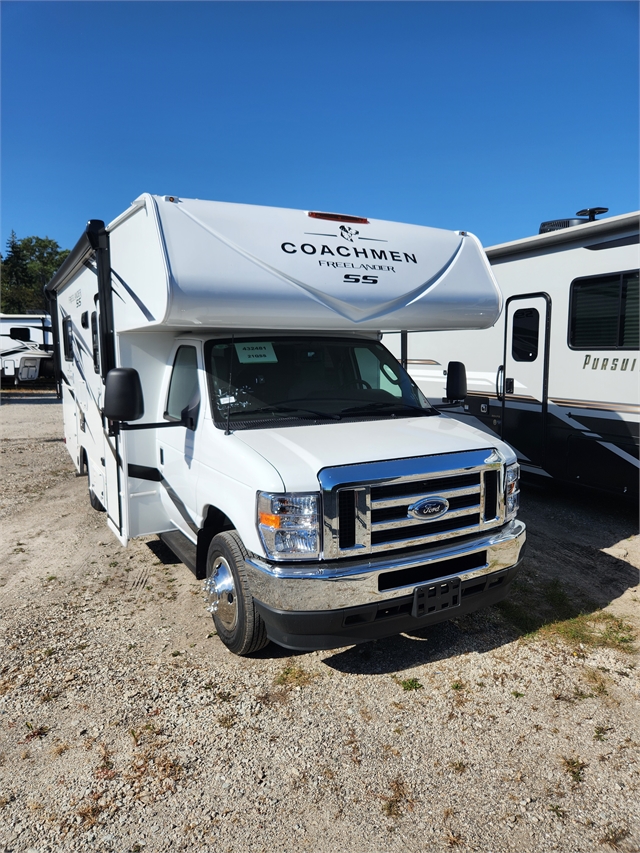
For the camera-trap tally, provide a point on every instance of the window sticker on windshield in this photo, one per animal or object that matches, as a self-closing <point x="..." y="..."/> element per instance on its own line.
<point x="256" y="351"/>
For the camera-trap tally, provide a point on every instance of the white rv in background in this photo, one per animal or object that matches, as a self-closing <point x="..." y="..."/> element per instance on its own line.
<point x="224" y="386"/>
<point x="557" y="375"/>
<point x="26" y="347"/>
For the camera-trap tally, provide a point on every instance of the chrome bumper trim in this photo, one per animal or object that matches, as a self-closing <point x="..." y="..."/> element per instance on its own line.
<point x="335" y="585"/>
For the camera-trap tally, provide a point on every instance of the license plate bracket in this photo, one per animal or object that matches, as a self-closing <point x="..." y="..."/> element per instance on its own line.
<point x="434" y="597"/>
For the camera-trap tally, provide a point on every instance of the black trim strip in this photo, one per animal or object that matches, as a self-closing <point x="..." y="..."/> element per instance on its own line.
<point x="144" y="472"/>
<point x="179" y="505"/>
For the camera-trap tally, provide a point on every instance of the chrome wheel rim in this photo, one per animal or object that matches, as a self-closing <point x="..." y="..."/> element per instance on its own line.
<point x="220" y="592"/>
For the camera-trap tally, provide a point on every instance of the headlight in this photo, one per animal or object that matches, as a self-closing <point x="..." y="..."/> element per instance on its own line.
<point x="512" y="490"/>
<point x="288" y="525"/>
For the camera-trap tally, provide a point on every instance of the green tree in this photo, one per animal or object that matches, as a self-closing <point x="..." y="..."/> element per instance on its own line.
<point x="27" y="266"/>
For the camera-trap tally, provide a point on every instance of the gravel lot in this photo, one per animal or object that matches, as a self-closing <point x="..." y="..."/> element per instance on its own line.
<point x="125" y="725"/>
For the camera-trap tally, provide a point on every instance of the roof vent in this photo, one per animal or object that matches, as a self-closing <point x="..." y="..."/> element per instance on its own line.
<point x="557" y="224"/>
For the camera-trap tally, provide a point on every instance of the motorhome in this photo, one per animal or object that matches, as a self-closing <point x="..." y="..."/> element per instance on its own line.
<point x="26" y="351"/>
<point x="557" y="375"/>
<point x="224" y="386"/>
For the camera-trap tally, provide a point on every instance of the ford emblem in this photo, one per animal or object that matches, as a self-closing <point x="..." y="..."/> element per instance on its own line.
<point x="428" y="508"/>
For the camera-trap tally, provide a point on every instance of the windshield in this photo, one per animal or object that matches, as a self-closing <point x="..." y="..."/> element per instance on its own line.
<point x="254" y="382"/>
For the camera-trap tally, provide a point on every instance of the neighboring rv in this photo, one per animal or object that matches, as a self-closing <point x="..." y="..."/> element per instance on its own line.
<point x="26" y="347"/>
<point x="557" y="376"/>
<point x="223" y="386"/>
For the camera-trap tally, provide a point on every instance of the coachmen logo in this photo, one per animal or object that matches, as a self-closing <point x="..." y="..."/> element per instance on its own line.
<point x="428" y="508"/>
<point x="348" y="233"/>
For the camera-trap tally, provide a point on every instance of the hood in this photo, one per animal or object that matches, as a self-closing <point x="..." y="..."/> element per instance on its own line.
<point x="300" y="453"/>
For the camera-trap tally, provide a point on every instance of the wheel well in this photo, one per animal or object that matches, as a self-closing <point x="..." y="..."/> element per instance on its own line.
<point x="215" y="522"/>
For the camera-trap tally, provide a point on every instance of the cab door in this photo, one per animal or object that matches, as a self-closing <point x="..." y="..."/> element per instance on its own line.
<point x="177" y="448"/>
<point x="523" y="383"/>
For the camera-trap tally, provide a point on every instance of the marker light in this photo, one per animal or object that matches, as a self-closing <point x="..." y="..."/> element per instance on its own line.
<point x="512" y="490"/>
<point x="339" y="217"/>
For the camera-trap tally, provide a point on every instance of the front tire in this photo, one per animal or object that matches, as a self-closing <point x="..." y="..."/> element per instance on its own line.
<point x="231" y="604"/>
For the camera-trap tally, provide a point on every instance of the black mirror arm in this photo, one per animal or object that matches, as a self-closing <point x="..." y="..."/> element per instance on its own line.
<point x="161" y="425"/>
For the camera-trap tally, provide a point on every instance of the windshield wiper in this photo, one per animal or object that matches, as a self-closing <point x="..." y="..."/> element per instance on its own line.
<point x="379" y="408"/>
<point x="294" y="409"/>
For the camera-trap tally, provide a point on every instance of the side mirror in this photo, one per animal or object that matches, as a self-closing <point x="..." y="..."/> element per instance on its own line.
<point x="456" y="381"/>
<point x="189" y="415"/>
<point x="123" y="399"/>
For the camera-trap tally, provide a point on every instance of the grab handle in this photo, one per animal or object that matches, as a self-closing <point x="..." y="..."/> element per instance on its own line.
<point x="500" y="383"/>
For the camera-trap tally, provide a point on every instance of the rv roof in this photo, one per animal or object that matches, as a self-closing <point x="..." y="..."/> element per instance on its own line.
<point x="625" y="224"/>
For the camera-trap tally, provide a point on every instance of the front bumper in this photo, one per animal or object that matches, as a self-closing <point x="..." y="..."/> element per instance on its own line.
<point x="332" y="629"/>
<point x="341" y="584"/>
<point x="335" y="604"/>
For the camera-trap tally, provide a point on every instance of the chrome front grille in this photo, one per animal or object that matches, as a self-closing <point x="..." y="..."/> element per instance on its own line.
<point x="366" y="507"/>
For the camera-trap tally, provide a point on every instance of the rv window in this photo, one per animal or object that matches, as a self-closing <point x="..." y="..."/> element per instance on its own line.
<point x="67" y="338"/>
<point x="604" y="312"/>
<point x="20" y="334"/>
<point x="630" y="325"/>
<point x="526" y="329"/>
<point x="184" y="381"/>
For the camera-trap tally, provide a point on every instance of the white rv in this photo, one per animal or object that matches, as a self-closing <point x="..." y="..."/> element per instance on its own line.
<point x="26" y="350"/>
<point x="224" y="386"/>
<point x="557" y="376"/>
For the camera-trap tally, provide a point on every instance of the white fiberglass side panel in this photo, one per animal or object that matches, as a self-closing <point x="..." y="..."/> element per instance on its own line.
<point x="231" y="473"/>
<point x="299" y="453"/>
<point x="139" y="275"/>
<point x="81" y="385"/>
<point x="238" y="266"/>
<point x="576" y="374"/>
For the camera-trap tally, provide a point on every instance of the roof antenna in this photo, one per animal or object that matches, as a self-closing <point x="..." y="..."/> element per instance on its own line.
<point x="228" y="431"/>
<point x="592" y="212"/>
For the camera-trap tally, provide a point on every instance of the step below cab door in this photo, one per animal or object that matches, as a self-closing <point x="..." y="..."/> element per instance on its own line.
<point x="523" y="383"/>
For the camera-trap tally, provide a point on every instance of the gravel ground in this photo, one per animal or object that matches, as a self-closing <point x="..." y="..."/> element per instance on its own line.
<point x="125" y="725"/>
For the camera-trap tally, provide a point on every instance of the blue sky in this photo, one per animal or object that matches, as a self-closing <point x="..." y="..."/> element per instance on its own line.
<point x="483" y="116"/>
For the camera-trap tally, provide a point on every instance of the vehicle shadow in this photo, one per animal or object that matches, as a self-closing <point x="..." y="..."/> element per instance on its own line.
<point x="477" y="632"/>
<point x="163" y="553"/>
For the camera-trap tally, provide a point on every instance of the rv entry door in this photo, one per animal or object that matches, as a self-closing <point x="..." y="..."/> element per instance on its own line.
<point x="523" y="379"/>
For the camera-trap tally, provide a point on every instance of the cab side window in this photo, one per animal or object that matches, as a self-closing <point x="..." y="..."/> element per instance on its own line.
<point x="184" y="382"/>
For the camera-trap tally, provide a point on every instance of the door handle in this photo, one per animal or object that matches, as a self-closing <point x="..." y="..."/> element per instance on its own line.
<point x="499" y="383"/>
<point x="508" y="386"/>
